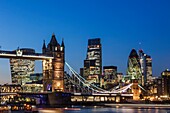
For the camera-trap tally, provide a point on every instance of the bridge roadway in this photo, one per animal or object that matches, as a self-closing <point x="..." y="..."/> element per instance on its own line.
<point x="75" y="98"/>
<point x="14" y="54"/>
<point x="101" y="97"/>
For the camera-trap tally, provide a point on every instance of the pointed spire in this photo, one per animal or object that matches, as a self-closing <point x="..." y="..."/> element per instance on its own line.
<point x="133" y="53"/>
<point x="44" y="46"/>
<point x="53" y="41"/>
<point x="62" y="44"/>
<point x="53" y="34"/>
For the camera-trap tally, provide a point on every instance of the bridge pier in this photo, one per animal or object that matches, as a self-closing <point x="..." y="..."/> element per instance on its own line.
<point x="47" y="74"/>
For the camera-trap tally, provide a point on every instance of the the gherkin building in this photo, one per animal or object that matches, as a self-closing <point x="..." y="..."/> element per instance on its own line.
<point x="133" y="66"/>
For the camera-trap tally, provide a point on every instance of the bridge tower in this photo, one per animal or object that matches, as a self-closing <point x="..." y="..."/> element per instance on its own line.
<point x="136" y="90"/>
<point x="53" y="70"/>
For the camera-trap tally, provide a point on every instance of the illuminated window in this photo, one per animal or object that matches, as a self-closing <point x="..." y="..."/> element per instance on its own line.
<point x="61" y="48"/>
<point x="58" y="84"/>
<point x="58" y="55"/>
<point x="56" y="48"/>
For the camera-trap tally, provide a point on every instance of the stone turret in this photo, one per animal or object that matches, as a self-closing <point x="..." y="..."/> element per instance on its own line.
<point x="44" y="48"/>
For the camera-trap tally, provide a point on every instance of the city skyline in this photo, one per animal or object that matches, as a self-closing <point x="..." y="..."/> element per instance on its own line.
<point x="121" y="25"/>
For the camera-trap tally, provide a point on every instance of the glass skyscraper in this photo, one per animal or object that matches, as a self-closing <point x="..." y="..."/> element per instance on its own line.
<point x="93" y="62"/>
<point x="110" y="76"/>
<point x="36" y="84"/>
<point x="146" y="66"/>
<point x="110" y="73"/>
<point x="140" y="67"/>
<point x="134" y="67"/>
<point x="166" y="83"/>
<point x="22" y="68"/>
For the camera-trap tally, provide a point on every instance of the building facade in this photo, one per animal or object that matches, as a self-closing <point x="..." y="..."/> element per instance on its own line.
<point x="9" y="91"/>
<point x="149" y="68"/>
<point x="166" y="83"/>
<point x="22" y="68"/>
<point x="134" y="67"/>
<point x="36" y="84"/>
<point x="146" y="67"/>
<point x="93" y="62"/>
<point x="119" y="77"/>
<point x="110" y="76"/>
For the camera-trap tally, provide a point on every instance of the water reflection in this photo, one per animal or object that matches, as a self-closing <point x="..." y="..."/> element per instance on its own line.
<point x="50" y="111"/>
<point x="104" y="110"/>
<point x="58" y="110"/>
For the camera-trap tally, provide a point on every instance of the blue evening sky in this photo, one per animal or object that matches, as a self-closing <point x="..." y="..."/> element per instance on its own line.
<point x="121" y="25"/>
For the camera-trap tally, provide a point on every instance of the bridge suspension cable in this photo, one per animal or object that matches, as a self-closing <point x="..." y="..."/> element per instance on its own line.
<point x="94" y="87"/>
<point x="85" y="82"/>
<point x="79" y="78"/>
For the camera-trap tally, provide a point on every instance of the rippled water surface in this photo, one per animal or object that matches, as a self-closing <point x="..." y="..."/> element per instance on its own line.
<point x="106" y="110"/>
<point x="102" y="110"/>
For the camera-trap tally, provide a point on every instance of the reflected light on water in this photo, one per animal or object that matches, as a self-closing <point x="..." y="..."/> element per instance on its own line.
<point x="50" y="111"/>
<point x="97" y="109"/>
<point x="57" y="110"/>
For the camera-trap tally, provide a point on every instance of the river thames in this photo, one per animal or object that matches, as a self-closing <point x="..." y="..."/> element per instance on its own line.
<point x="105" y="110"/>
<point x="102" y="110"/>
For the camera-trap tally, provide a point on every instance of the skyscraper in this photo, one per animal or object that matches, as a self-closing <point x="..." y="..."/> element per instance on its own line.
<point x="134" y="67"/>
<point x="93" y="62"/>
<point x="110" y="76"/>
<point x="110" y="72"/>
<point x="149" y="68"/>
<point x="35" y="85"/>
<point x="146" y="66"/>
<point x="22" y="68"/>
<point x="166" y="83"/>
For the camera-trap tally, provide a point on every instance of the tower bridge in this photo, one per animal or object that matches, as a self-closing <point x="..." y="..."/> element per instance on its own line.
<point x="52" y="58"/>
<point x="53" y="63"/>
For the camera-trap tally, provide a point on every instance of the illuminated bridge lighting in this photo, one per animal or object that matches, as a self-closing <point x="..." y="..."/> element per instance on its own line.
<point x="86" y="84"/>
<point x="93" y="87"/>
<point x="36" y="57"/>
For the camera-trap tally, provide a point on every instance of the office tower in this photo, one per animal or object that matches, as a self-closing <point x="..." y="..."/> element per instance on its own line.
<point x="110" y="76"/>
<point x="81" y="71"/>
<point x="53" y="70"/>
<point x="149" y="68"/>
<point x="134" y="68"/>
<point x="93" y="62"/>
<point x="166" y="83"/>
<point x="36" y="84"/>
<point x="158" y="83"/>
<point x="110" y="73"/>
<point x="22" y="68"/>
<point x="36" y="78"/>
<point x="119" y="77"/>
<point x="146" y="66"/>
<point x="8" y="91"/>
<point x="156" y="87"/>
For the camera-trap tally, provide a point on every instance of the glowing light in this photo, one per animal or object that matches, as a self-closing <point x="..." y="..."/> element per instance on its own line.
<point x="58" y="84"/>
